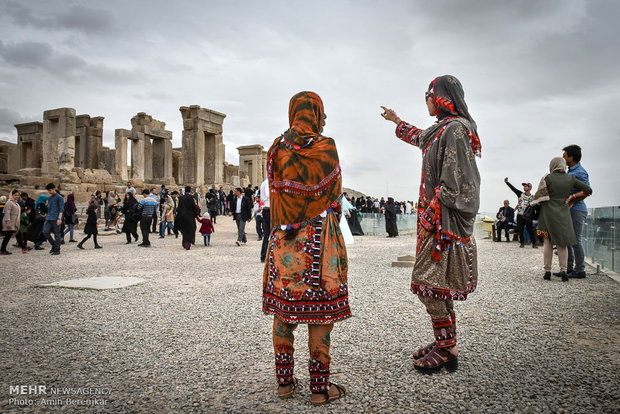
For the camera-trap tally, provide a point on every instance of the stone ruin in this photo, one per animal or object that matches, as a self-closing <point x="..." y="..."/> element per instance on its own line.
<point x="67" y="149"/>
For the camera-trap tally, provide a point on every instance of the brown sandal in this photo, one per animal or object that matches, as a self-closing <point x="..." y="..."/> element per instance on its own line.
<point x="287" y="394"/>
<point x="437" y="359"/>
<point x="342" y="391"/>
<point x="425" y="350"/>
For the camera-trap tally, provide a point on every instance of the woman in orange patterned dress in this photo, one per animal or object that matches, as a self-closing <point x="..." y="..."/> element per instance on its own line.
<point x="305" y="277"/>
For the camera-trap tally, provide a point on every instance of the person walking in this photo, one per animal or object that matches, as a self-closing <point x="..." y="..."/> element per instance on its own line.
<point x="53" y="220"/>
<point x="242" y="213"/>
<point x="185" y="220"/>
<point x="257" y="214"/>
<point x="575" y="267"/>
<point x="206" y="228"/>
<point x="167" y="216"/>
<point x="70" y="218"/>
<point x="22" y="235"/>
<point x="212" y="205"/>
<point x="90" y="229"/>
<point x="10" y="220"/>
<point x="390" y="218"/>
<point x="307" y="284"/>
<point x="445" y="269"/>
<point x="555" y="196"/>
<point x="130" y="225"/>
<point x="264" y="195"/>
<point x="153" y="195"/>
<point x="145" y="210"/>
<point x="114" y="205"/>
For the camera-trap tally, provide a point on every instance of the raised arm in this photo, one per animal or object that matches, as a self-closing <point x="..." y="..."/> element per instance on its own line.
<point x="512" y="187"/>
<point x="404" y="131"/>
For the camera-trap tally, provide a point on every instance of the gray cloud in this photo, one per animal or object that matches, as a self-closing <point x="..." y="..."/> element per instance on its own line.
<point x="9" y="118"/>
<point x="37" y="55"/>
<point x="537" y="74"/>
<point x="72" y="17"/>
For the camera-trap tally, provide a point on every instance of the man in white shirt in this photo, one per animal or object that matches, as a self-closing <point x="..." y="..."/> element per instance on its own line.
<point x="264" y="196"/>
<point x="408" y="207"/>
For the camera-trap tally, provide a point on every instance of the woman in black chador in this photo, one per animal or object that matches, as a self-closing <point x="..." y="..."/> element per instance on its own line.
<point x="390" y="218"/>
<point x="185" y="220"/>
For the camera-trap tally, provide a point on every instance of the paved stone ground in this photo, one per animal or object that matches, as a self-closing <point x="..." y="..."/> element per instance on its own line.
<point x="192" y="337"/>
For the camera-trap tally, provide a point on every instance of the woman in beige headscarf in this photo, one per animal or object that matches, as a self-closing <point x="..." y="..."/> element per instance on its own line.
<point x="554" y="220"/>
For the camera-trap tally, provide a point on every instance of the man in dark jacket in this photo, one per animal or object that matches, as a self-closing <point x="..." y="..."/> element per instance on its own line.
<point x="242" y="213"/>
<point x="506" y="218"/>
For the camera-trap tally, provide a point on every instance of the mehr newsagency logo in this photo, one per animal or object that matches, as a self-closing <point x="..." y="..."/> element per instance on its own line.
<point x="42" y="395"/>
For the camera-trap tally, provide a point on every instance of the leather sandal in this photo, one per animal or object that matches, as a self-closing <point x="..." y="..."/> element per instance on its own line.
<point x="425" y="350"/>
<point x="342" y="391"/>
<point x="287" y="394"/>
<point x="435" y="360"/>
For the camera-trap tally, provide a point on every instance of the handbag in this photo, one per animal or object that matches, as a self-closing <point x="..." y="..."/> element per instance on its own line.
<point x="531" y="212"/>
<point x="75" y="219"/>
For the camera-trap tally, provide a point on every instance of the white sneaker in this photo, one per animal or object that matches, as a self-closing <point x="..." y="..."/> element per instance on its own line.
<point x="238" y="243"/>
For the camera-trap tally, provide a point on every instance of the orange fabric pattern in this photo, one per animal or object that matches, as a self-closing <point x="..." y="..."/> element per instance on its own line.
<point x="303" y="166"/>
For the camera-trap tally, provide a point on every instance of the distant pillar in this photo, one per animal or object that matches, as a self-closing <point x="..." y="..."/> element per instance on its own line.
<point x="120" y="144"/>
<point x="137" y="156"/>
<point x="58" y="140"/>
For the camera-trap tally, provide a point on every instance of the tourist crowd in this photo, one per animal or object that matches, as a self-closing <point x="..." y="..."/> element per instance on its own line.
<point x="161" y="211"/>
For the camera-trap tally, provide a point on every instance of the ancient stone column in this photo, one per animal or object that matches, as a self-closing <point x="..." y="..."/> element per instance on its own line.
<point x="251" y="160"/>
<point x="58" y="140"/>
<point x="30" y="144"/>
<point x="148" y="159"/>
<point x="203" y="146"/>
<point x="137" y="156"/>
<point x="120" y="144"/>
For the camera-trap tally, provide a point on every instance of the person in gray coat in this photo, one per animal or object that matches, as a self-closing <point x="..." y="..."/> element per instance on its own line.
<point x="554" y="220"/>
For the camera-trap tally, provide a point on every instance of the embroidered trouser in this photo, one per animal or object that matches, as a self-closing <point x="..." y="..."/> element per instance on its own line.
<point x="443" y="319"/>
<point x="318" y="344"/>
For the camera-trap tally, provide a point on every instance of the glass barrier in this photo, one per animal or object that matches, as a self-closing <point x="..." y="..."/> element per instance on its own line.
<point x="373" y="224"/>
<point x="600" y="234"/>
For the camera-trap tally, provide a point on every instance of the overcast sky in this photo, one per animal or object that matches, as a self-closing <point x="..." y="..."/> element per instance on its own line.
<point x="538" y="75"/>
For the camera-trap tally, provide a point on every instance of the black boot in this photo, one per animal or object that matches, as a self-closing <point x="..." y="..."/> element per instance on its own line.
<point x="80" y="246"/>
<point x="547" y="276"/>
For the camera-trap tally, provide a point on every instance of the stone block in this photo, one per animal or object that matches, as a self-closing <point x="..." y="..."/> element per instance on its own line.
<point x="403" y="264"/>
<point x="96" y="176"/>
<point x="82" y="197"/>
<point x="91" y="188"/>
<point x="67" y="188"/>
<point x="60" y="112"/>
<point x="39" y="182"/>
<point x="70" y="177"/>
<point x="29" y="172"/>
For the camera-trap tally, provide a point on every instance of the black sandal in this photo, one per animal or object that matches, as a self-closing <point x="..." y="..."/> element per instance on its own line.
<point x="435" y="360"/>
<point x="342" y="391"/>
<point x="289" y="393"/>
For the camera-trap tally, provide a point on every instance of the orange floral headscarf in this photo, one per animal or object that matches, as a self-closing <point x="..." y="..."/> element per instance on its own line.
<point x="302" y="165"/>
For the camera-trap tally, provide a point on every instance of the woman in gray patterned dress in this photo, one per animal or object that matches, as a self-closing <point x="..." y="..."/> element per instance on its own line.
<point x="446" y="266"/>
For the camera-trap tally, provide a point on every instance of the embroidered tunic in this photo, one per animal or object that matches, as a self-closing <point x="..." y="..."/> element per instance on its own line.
<point x="446" y="262"/>
<point x="305" y="275"/>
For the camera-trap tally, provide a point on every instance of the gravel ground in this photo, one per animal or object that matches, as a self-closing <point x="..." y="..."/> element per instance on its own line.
<point x="192" y="339"/>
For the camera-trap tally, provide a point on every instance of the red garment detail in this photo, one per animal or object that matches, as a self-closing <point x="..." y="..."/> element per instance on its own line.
<point x="206" y="227"/>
